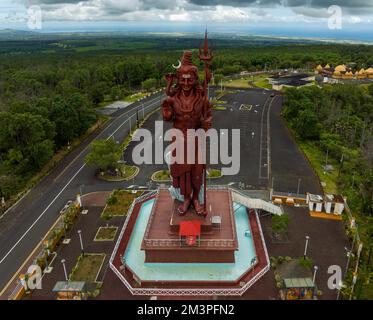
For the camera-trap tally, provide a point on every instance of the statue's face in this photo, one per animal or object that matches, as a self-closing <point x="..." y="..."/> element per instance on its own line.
<point x="187" y="81"/>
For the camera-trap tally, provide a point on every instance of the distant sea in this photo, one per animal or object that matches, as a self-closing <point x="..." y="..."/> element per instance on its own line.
<point x="349" y="32"/>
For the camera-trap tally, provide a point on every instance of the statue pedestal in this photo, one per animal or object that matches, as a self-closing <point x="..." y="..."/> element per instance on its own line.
<point x="162" y="242"/>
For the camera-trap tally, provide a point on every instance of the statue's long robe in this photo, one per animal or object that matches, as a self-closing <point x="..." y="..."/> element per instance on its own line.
<point x="193" y="113"/>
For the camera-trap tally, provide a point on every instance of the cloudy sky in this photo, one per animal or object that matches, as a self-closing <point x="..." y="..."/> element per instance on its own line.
<point x="275" y="15"/>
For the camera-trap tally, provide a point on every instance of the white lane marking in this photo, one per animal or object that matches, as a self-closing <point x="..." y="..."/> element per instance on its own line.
<point x="269" y="138"/>
<point x="267" y="165"/>
<point x="63" y="189"/>
<point x="261" y="138"/>
<point x="33" y="224"/>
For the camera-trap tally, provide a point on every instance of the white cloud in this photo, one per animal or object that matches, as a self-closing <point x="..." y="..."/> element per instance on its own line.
<point x="354" y="19"/>
<point x="180" y="17"/>
<point x="269" y="11"/>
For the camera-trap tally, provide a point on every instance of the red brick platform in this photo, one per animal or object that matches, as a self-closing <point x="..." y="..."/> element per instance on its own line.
<point x="162" y="242"/>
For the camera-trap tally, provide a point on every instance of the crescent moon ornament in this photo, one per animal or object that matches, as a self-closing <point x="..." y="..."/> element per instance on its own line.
<point x="178" y="66"/>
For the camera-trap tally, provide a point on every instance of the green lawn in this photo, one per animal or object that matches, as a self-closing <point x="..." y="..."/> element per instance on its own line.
<point x="262" y="83"/>
<point x="317" y="159"/>
<point x="88" y="267"/>
<point x="126" y="173"/>
<point x="249" y="82"/>
<point x="214" y="173"/>
<point x="161" y="175"/>
<point x="237" y="83"/>
<point x="106" y="233"/>
<point x="119" y="203"/>
<point x="215" y="107"/>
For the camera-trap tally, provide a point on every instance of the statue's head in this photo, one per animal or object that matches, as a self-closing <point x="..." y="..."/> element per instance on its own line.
<point x="187" y="74"/>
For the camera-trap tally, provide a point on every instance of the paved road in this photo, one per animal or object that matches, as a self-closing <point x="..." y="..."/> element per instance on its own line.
<point x="288" y="163"/>
<point x="27" y="222"/>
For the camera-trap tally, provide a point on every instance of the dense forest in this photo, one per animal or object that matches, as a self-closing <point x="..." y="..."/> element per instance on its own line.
<point x="339" y="118"/>
<point x="50" y="88"/>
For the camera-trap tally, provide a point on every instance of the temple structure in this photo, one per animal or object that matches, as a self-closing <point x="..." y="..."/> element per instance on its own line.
<point x="344" y="72"/>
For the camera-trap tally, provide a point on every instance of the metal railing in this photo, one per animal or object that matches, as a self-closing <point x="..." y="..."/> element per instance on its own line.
<point x="217" y="243"/>
<point x="289" y="194"/>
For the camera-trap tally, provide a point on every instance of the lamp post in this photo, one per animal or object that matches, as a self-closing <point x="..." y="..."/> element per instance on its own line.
<point x="252" y="263"/>
<point x="137" y="118"/>
<point x="64" y="269"/>
<point x="298" y="189"/>
<point x="81" y="194"/>
<point x="315" y="268"/>
<point x="340" y="285"/>
<point x="305" y="248"/>
<point x="81" y="241"/>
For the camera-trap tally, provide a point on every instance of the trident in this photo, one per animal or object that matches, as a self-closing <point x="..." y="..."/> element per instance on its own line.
<point x="205" y="55"/>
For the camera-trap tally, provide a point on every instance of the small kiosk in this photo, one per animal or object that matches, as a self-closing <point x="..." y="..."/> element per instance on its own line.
<point x="329" y="206"/>
<point x="298" y="289"/>
<point x="70" y="290"/>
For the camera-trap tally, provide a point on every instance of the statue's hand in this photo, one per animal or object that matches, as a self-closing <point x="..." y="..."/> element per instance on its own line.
<point x="167" y="111"/>
<point x="206" y="125"/>
<point x="170" y="77"/>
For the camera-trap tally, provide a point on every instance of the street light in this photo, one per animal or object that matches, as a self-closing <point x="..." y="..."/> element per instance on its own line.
<point x="315" y="268"/>
<point x="81" y="194"/>
<point x="64" y="269"/>
<point x="305" y="248"/>
<point x="81" y="241"/>
<point x="252" y="265"/>
<point x="299" y="180"/>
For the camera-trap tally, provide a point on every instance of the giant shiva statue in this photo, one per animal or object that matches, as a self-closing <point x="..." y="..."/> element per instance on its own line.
<point x="188" y="107"/>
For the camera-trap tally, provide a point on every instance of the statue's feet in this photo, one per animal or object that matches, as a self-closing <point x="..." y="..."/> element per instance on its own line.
<point x="183" y="208"/>
<point x="199" y="208"/>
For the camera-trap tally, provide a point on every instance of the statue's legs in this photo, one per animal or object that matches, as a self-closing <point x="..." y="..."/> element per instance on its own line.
<point x="197" y="184"/>
<point x="185" y="184"/>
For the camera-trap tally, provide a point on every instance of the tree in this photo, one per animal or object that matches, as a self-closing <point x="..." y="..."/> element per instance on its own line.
<point x="72" y="116"/>
<point x="218" y="77"/>
<point x="104" y="155"/>
<point x="307" y="125"/>
<point x="370" y="89"/>
<point x="97" y="93"/>
<point x="26" y="141"/>
<point x="149" y="84"/>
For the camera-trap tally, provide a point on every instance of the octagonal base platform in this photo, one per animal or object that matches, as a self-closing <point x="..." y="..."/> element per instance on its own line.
<point x="128" y="260"/>
<point x="162" y="242"/>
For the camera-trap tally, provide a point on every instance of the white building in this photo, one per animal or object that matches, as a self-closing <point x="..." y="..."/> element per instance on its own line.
<point x="333" y="203"/>
<point x="315" y="202"/>
<point x="329" y="203"/>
